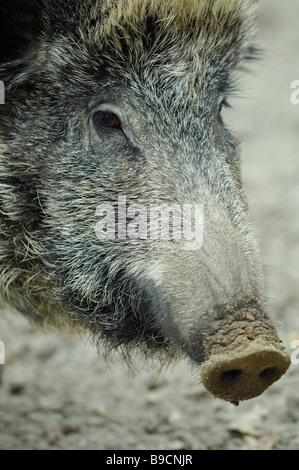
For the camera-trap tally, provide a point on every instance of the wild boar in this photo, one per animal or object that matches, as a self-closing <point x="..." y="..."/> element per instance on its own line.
<point x="111" y="99"/>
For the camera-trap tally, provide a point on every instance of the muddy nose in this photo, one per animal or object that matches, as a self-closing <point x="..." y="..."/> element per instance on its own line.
<point x="245" y="375"/>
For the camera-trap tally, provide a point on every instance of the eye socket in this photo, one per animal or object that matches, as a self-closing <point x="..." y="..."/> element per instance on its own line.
<point x="107" y="120"/>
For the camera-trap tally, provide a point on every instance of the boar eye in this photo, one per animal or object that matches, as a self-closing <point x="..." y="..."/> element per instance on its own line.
<point x="220" y="108"/>
<point x="224" y="104"/>
<point x="107" y="120"/>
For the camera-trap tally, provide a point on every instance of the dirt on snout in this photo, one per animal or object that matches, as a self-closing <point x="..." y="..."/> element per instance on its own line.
<point x="57" y="393"/>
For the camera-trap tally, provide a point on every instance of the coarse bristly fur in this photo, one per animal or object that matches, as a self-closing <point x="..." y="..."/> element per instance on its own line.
<point x="165" y="66"/>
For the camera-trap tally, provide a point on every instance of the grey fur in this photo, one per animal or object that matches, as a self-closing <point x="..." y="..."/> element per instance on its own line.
<point x="164" y="68"/>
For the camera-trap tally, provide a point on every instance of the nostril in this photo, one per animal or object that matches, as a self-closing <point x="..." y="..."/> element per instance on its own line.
<point x="268" y="373"/>
<point x="231" y="376"/>
<point x="244" y="375"/>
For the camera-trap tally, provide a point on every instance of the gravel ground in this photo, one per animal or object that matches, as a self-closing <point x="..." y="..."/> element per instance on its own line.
<point x="57" y="393"/>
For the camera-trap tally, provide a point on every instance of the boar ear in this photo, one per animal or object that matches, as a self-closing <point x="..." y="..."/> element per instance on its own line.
<point x="20" y="24"/>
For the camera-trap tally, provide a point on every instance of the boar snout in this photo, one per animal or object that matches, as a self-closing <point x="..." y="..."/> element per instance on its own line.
<point x="245" y="375"/>
<point x="243" y="354"/>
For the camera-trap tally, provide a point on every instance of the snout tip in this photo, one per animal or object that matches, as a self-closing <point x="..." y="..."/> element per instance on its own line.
<point x="245" y="375"/>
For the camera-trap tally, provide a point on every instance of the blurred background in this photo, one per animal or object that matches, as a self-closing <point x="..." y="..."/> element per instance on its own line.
<point x="57" y="393"/>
